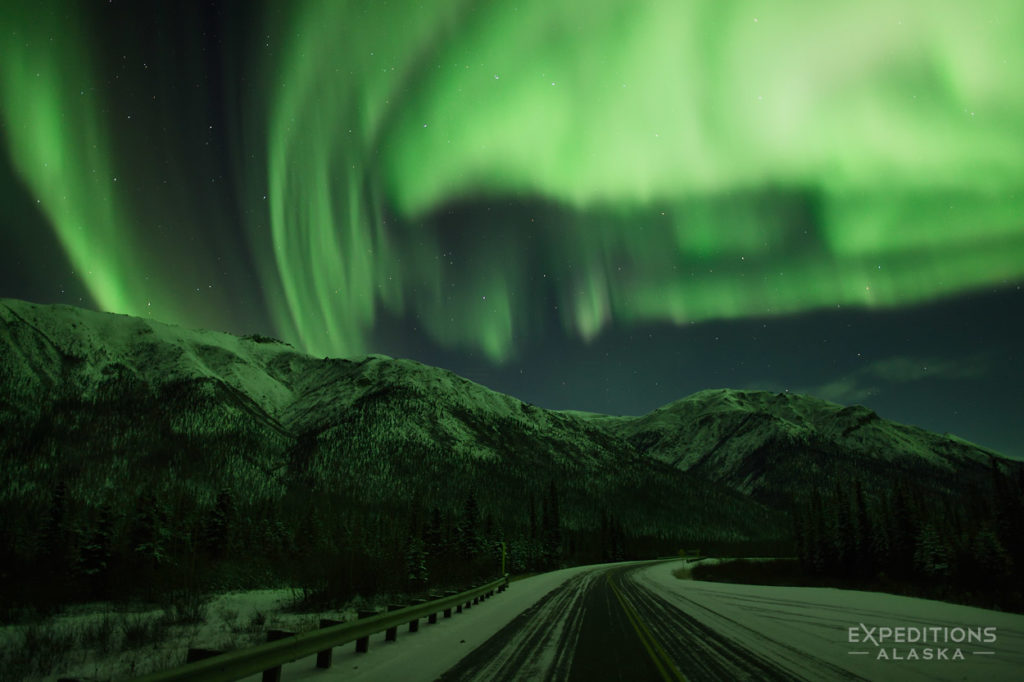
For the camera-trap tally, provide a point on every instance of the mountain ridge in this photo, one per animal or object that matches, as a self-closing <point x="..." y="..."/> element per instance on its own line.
<point x="115" y="403"/>
<point x="307" y="414"/>
<point x="282" y="358"/>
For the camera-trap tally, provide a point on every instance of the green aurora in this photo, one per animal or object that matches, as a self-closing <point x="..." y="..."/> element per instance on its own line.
<point x="671" y="161"/>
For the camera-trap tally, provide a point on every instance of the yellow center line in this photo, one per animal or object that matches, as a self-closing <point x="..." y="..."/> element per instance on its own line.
<point x="666" y="667"/>
<point x="643" y="639"/>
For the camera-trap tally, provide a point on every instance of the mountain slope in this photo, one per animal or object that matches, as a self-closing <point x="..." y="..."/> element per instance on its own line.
<point x="776" y="447"/>
<point x="114" y="404"/>
<point x="112" y="401"/>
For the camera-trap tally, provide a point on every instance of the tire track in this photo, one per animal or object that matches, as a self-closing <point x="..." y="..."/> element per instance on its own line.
<point x="698" y="651"/>
<point x="539" y="644"/>
<point x="703" y="653"/>
<point x="606" y="624"/>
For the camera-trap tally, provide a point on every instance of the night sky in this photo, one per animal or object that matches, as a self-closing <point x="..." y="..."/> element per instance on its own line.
<point x="600" y="205"/>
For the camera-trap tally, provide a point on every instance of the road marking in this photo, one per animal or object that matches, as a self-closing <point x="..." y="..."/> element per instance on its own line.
<point x="666" y="667"/>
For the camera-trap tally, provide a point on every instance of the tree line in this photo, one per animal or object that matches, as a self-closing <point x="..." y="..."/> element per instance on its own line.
<point x="164" y="546"/>
<point x="967" y="546"/>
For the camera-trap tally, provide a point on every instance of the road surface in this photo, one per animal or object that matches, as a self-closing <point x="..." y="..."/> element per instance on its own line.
<point x="639" y="622"/>
<point x="606" y="625"/>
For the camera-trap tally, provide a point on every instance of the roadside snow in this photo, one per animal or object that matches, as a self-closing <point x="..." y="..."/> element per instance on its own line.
<point x="233" y="620"/>
<point x="426" y="654"/>
<point x="801" y="628"/>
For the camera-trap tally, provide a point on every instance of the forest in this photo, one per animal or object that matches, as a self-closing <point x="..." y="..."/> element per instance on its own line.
<point x="906" y="538"/>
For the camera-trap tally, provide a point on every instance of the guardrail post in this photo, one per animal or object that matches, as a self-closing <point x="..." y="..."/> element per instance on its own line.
<point x="325" y="658"/>
<point x="391" y="635"/>
<point x="268" y="658"/>
<point x="274" y="674"/>
<point x="363" y="643"/>
<point x="432" y="618"/>
<point x="414" y="624"/>
<point x="198" y="654"/>
<point x="448" y="611"/>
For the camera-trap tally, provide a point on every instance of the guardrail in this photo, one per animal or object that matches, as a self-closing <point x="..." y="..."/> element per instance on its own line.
<point x="268" y="658"/>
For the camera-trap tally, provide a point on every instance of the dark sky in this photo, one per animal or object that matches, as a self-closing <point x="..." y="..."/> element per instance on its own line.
<point x="603" y="207"/>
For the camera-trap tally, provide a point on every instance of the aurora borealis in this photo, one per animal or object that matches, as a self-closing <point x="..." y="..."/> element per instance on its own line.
<point x="582" y="204"/>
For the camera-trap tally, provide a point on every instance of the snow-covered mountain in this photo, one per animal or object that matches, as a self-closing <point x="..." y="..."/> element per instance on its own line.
<point x="111" y="403"/>
<point x="47" y="347"/>
<point x="111" y="400"/>
<point x="776" y="445"/>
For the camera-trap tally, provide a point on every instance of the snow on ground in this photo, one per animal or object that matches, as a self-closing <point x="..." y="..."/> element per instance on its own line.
<point x="233" y="620"/>
<point x="425" y="655"/>
<point x="240" y="619"/>
<point x="793" y="625"/>
<point x="800" y="629"/>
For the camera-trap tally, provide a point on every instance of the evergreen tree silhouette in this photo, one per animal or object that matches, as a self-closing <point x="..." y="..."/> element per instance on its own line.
<point x="217" y="529"/>
<point x="864" y="547"/>
<point x="96" y="555"/>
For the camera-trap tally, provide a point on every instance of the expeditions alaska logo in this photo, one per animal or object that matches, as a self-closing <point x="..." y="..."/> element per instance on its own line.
<point x="921" y="643"/>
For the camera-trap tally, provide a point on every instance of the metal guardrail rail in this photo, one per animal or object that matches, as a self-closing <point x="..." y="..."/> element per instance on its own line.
<point x="234" y="665"/>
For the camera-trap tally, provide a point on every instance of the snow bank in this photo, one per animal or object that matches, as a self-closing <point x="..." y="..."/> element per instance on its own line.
<point x="426" y="654"/>
<point x="804" y="629"/>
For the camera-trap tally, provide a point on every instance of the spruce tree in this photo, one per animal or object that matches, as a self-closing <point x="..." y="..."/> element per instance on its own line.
<point x="818" y="548"/>
<point x="605" y="536"/>
<point x="416" y="570"/>
<point x="902" y="534"/>
<point x="931" y="554"/>
<point x="148" y="533"/>
<point x="551" y="527"/>
<point x="96" y="555"/>
<point x="1008" y="500"/>
<point x="532" y="503"/>
<point x="54" y="548"/>
<point x="433" y="535"/>
<point x="468" y="529"/>
<point x="217" y="529"/>
<point x="993" y="562"/>
<point x="865" y="547"/>
<point x="843" y="539"/>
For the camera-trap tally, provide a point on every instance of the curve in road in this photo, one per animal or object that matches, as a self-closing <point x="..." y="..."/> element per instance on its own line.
<point x="605" y="625"/>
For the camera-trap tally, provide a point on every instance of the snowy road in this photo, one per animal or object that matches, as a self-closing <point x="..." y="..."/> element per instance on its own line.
<point x="639" y="622"/>
<point x="612" y="624"/>
<point x="806" y="632"/>
<point x="642" y="623"/>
